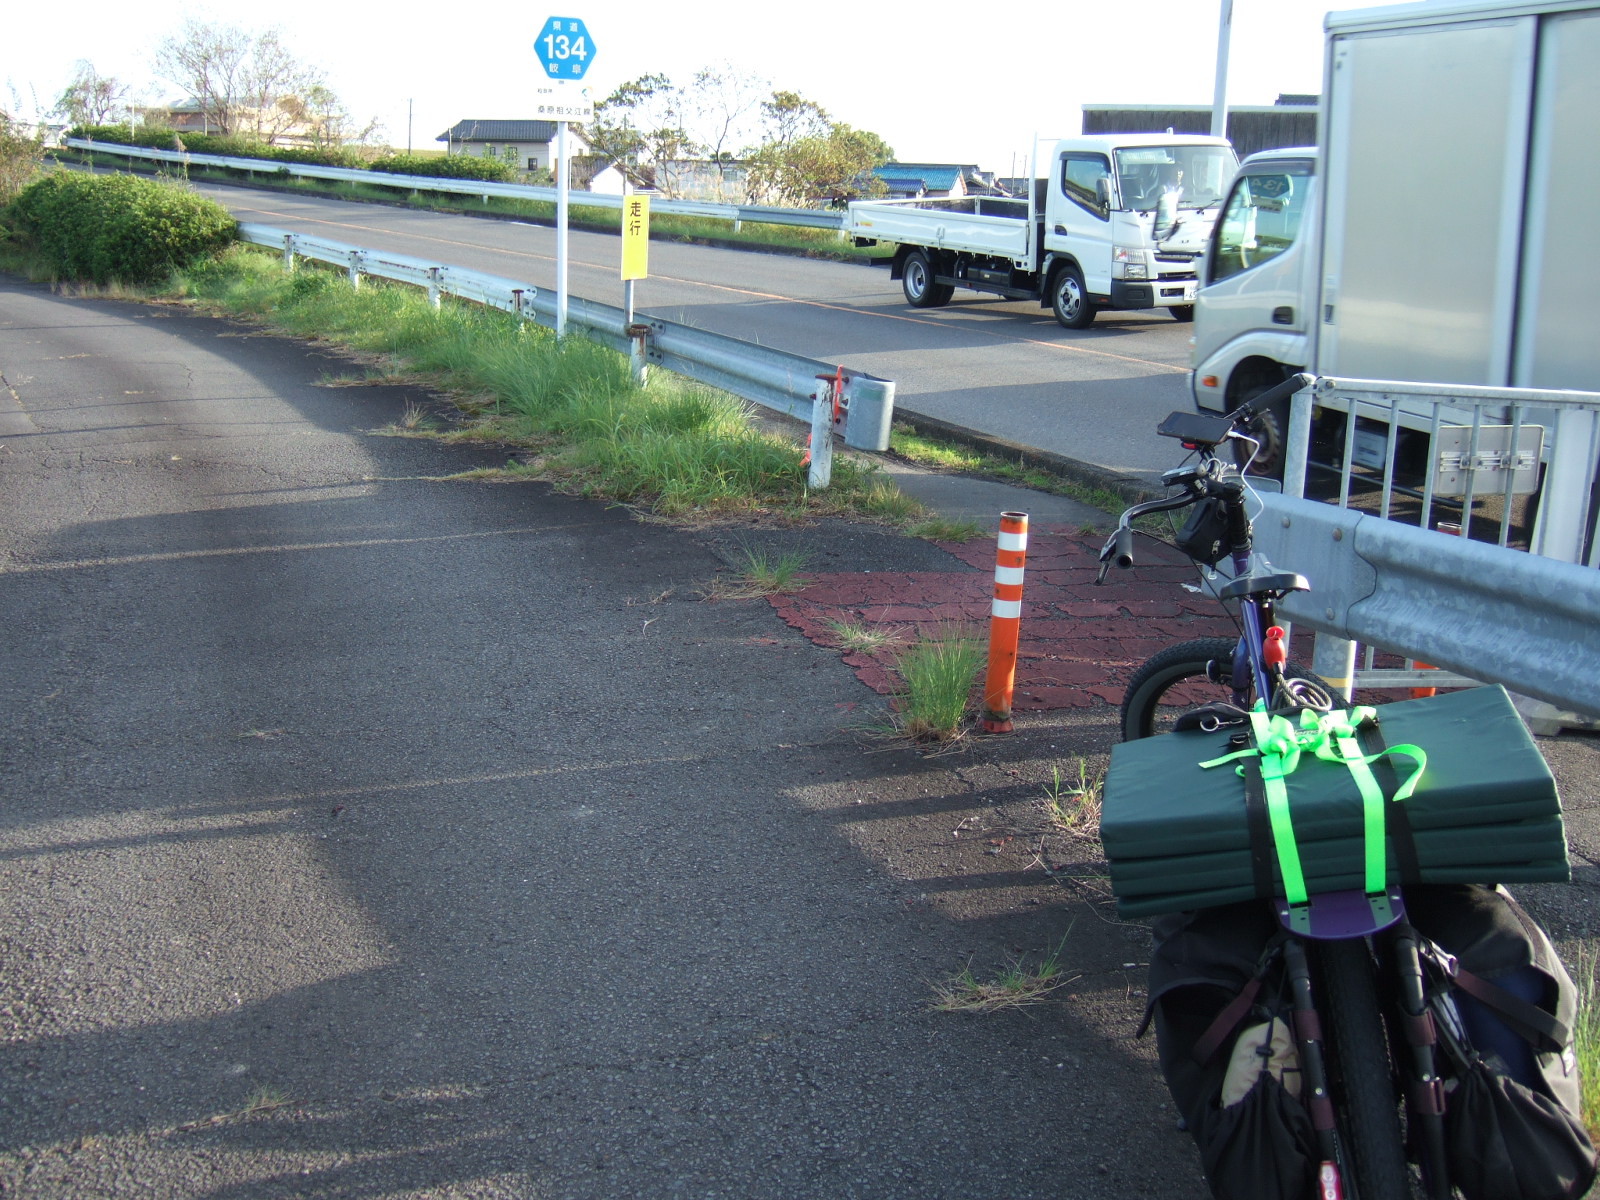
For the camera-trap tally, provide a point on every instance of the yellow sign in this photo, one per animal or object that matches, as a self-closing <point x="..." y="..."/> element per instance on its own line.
<point x="635" y="237"/>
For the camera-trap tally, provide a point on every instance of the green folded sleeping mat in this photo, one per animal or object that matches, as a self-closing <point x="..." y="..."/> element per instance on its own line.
<point x="1482" y="809"/>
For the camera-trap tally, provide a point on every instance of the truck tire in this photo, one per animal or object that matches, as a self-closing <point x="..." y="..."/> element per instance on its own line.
<point x="1271" y="427"/>
<point x="1070" y="300"/>
<point x="916" y="280"/>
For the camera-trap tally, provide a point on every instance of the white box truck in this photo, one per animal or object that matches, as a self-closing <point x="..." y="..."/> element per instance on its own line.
<point x="1441" y="231"/>
<point x="1117" y="222"/>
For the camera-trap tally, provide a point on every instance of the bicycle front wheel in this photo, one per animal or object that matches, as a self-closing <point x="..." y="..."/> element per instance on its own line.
<point x="1367" y="1112"/>
<point x="1180" y="678"/>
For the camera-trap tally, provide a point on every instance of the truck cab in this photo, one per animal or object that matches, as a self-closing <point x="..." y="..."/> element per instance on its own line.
<point x="1126" y="219"/>
<point x="1254" y="328"/>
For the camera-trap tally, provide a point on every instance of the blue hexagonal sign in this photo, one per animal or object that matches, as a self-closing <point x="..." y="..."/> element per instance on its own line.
<point x="564" y="48"/>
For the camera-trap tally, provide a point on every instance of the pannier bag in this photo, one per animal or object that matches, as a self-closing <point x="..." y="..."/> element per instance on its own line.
<point x="1505" y="1009"/>
<point x="1461" y="795"/>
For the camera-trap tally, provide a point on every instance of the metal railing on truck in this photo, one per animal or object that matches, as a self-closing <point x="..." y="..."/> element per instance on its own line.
<point x="1512" y="597"/>
<point x="830" y="397"/>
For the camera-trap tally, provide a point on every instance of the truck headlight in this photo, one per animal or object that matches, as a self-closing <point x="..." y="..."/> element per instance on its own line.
<point x="1129" y="262"/>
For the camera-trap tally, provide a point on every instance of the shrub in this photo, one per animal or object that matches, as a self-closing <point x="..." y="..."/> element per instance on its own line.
<point x="119" y="227"/>
<point x="20" y="157"/>
<point x="451" y="166"/>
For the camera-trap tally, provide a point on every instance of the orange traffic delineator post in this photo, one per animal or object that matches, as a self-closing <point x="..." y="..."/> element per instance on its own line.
<point x="1005" y="621"/>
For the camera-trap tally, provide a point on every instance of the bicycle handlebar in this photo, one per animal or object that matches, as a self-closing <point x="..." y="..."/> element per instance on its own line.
<point x="1281" y="391"/>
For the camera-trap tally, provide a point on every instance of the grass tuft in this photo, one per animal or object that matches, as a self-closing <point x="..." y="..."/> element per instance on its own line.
<point x="762" y="574"/>
<point x="853" y="637"/>
<point x="1074" y="807"/>
<point x="1015" y="986"/>
<point x="938" y="673"/>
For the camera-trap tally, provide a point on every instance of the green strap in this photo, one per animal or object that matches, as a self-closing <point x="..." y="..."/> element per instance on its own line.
<point x="1332" y="738"/>
<point x="1279" y="757"/>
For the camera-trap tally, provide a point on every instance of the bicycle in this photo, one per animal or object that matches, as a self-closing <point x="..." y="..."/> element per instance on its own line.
<point x="1332" y="944"/>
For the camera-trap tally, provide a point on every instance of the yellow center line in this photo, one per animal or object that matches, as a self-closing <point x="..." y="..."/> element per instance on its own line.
<point x="754" y="295"/>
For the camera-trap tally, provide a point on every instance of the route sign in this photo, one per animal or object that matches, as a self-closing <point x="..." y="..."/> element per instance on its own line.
<point x="564" y="48"/>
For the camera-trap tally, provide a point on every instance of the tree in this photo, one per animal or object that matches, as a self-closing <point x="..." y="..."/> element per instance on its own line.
<point x="789" y="116"/>
<point x="91" y="98"/>
<point x="641" y="124"/>
<point x="274" y="84"/>
<point x="722" y="103"/>
<point x="809" y="160"/>
<point x="250" y="83"/>
<point x="208" y="61"/>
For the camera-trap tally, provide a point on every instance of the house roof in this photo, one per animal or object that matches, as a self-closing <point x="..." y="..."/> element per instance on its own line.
<point x="934" y="177"/>
<point x="499" y="131"/>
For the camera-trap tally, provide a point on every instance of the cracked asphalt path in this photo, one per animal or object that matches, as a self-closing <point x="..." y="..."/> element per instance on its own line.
<point x="368" y="834"/>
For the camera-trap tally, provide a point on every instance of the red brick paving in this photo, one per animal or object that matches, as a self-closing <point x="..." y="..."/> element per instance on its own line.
<point x="1079" y="643"/>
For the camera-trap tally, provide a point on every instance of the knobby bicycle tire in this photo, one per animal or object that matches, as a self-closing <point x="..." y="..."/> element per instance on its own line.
<point x="1176" y="679"/>
<point x="1367" y="1111"/>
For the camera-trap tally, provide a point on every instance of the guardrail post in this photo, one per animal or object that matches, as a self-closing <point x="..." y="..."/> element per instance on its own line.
<point x="1334" y="659"/>
<point x="355" y="268"/>
<point x="516" y="303"/>
<point x="433" y="285"/>
<point x="288" y="252"/>
<point x="821" y="442"/>
<point x="869" y="412"/>
<point x="1005" y="621"/>
<point x="638" y="352"/>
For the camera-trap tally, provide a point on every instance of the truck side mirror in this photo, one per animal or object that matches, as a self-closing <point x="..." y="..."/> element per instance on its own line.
<point x="1102" y="193"/>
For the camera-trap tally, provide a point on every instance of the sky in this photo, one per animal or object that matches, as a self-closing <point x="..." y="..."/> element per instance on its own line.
<point x="938" y="82"/>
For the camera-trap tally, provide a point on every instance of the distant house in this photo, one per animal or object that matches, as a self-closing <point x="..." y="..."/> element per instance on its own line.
<point x="1292" y="121"/>
<point x="934" y="181"/>
<point x="528" y="145"/>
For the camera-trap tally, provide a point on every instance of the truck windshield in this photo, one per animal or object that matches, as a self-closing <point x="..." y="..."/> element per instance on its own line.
<point x="1262" y="217"/>
<point x="1199" y="175"/>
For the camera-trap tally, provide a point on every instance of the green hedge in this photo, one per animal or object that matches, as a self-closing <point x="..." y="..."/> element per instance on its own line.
<point x="119" y="227"/>
<point x="452" y="166"/>
<point x="155" y="137"/>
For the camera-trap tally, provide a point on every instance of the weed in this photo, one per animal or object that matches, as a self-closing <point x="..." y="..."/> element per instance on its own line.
<point x="1015" y="986"/>
<point x="941" y="529"/>
<point x="762" y="575"/>
<point x="1586" y="1036"/>
<point x="854" y="637"/>
<point x="264" y="1099"/>
<point x="938" y="675"/>
<point x="1074" y="808"/>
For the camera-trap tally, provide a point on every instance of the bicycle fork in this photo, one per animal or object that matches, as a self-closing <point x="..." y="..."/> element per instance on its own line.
<point x="1313" y="1070"/>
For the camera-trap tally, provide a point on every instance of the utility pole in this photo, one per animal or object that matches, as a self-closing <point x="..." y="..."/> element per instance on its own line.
<point x="1219" y="98"/>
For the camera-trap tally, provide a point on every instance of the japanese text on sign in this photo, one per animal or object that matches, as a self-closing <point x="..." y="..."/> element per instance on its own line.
<point x="635" y="237"/>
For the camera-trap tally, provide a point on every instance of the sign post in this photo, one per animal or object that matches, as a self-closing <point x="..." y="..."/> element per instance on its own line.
<point x="635" y="265"/>
<point x="564" y="50"/>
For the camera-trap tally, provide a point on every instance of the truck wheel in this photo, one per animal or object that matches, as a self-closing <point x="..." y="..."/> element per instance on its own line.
<point x="1182" y="312"/>
<point x="1070" y="301"/>
<point x="916" y="280"/>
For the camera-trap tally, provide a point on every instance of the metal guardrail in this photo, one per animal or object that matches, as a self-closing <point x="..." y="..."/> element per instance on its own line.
<point x="1488" y="612"/>
<point x="735" y="213"/>
<point x="797" y="387"/>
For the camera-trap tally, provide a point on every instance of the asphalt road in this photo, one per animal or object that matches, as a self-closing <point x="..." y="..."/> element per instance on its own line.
<point x="368" y="833"/>
<point x="1000" y="368"/>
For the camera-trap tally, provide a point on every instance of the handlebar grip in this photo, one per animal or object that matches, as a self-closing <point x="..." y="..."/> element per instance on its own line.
<point x="1122" y="551"/>
<point x="1280" y="391"/>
